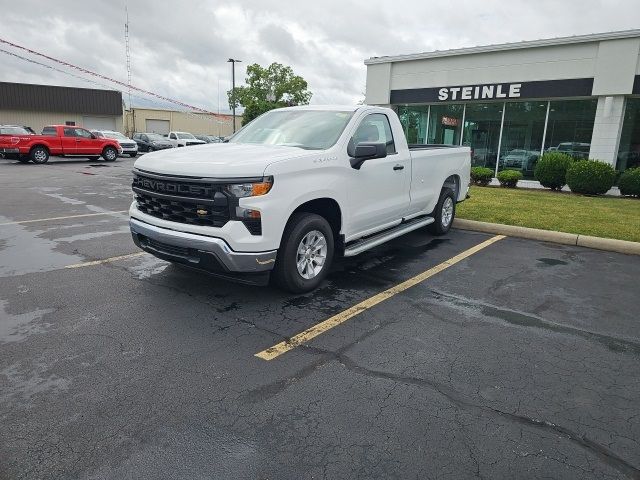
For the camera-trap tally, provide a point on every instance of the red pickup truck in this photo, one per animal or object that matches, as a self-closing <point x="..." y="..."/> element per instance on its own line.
<point x="59" y="140"/>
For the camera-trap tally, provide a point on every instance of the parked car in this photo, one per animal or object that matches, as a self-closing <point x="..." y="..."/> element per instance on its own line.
<point x="209" y="138"/>
<point x="129" y="147"/>
<point x="575" y="149"/>
<point x="150" y="142"/>
<point x="294" y="188"/>
<point x="184" y="139"/>
<point x="14" y="130"/>
<point x="60" y="140"/>
<point x="521" y="159"/>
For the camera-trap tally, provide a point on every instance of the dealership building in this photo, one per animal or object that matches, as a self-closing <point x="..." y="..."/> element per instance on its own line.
<point x="512" y="102"/>
<point x="37" y="106"/>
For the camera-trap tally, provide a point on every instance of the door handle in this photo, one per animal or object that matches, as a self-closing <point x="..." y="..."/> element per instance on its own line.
<point x="398" y="167"/>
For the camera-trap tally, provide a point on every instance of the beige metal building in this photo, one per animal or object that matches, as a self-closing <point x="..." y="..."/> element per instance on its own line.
<point x="164" y="121"/>
<point x="40" y="105"/>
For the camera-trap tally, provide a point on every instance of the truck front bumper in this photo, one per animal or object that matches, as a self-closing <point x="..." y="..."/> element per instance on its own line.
<point x="209" y="254"/>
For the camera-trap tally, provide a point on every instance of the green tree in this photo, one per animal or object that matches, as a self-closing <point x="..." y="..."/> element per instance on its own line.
<point x="268" y="88"/>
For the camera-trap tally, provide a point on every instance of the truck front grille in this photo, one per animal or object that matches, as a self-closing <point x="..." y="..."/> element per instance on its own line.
<point x="181" y="201"/>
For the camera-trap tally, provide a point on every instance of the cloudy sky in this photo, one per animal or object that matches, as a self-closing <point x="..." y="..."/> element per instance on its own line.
<point x="179" y="49"/>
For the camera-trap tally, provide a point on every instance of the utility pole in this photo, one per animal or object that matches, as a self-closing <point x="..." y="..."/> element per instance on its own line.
<point x="233" y="62"/>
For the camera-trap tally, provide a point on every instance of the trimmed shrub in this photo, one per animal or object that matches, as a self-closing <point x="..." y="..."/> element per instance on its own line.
<point x="629" y="183"/>
<point x="551" y="170"/>
<point x="590" y="177"/>
<point x="509" y="178"/>
<point x="481" y="176"/>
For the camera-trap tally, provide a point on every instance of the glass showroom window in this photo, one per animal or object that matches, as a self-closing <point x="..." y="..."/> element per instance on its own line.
<point x="445" y="124"/>
<point x="414" y="120"/>
<point x="570" y="126"/>
<point x="629" y="150"/>
<point x="482" y="132"/>
<point x="522" y="136"/>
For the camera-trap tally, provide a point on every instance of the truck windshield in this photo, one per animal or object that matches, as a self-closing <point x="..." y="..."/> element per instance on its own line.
<point x="185" y="136"/>
<point x="308" y="129"/>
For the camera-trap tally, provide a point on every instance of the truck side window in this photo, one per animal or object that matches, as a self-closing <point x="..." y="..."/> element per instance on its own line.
<point x="81" y="132"/>
<point x="69" y="132"/>
<point x="375" y="128"/>
<point x="172" y="136"/>
<point x="49" y="131"/>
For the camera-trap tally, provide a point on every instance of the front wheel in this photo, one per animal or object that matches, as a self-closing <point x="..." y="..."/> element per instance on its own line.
<point x="110" y="154"/>
<point x="444" y="212"/>
<point x="305" y="254"/>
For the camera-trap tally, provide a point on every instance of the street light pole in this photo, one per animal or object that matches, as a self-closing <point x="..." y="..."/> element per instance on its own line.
<point x="233" y="89"/>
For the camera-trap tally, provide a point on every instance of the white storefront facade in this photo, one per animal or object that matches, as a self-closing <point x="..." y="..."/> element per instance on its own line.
<point x="511" y="103"/>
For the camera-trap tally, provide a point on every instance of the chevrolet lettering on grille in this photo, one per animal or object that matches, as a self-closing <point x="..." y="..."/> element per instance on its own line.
<point x="161" y="186"/>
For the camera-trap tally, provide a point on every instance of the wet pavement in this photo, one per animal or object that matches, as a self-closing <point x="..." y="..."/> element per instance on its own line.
<point x="521" y="361"/>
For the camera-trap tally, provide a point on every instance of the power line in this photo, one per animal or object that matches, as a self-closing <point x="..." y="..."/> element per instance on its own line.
<point x="104" y="77"/>
<point x="109" y="87"/>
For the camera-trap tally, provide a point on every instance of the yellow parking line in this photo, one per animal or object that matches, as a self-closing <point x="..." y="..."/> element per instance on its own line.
<point x="303" y="337"/>
<point x="105" y="260"/>
<point x="63" y="218"/>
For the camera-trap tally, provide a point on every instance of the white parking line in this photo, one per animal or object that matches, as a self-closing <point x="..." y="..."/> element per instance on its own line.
<point x="106" y="260"/>
<point x="63" y="218"/>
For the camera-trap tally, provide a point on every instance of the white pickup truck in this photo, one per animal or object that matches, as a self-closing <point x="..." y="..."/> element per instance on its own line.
<point x="292" y="190"/>
<point x="183" y="139"/>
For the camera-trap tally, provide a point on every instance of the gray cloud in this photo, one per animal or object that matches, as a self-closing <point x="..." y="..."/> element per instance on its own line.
<point x="179" y="49"/>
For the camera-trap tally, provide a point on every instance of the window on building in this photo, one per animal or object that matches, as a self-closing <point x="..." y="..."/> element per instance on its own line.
<point x="482" y="132"/>
<point x="522" y="135"/>
<point x="414" y="121"/>
<point x="570" y="127"/>
<point x="445" y="124"/>
<point x="629" y="150"/>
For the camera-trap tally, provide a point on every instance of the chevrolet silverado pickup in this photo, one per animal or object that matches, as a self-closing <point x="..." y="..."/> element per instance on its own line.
<point x="292" y="190"/>
<point x="60" y="140"/>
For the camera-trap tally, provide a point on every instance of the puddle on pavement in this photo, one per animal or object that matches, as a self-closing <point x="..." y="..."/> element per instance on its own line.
<point x="24" y="251"/>
<point x="552" y="261"/>
<point x="17" y="327"/>
<point x="148" y="266"/>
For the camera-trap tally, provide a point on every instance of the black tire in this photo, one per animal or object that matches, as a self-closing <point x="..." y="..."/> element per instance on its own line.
<point x="110" y="154"/>
<point x="285" y="272"/>
<point x="442" y="222"/>
<point x="92" y="159"/>
<point x="133" y="155"/>
<point x="39" y="154"/>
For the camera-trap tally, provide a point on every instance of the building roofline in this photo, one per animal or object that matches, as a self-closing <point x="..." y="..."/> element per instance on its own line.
<point x="545" y="42"/>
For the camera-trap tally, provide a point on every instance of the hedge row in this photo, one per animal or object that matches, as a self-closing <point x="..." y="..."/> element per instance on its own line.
<point x="555" y="170"/>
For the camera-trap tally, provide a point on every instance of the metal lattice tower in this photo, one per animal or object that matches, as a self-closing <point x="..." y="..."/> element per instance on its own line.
<point x="126" y="41"/>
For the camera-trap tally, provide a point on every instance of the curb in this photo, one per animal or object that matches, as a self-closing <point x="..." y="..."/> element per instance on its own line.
<point x="608" y="244"/>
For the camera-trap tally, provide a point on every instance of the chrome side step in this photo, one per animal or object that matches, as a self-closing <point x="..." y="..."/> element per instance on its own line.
<point x="378" y="239"/>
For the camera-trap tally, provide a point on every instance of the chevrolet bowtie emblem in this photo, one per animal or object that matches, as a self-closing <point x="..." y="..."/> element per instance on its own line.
<point x="201" y="212"/>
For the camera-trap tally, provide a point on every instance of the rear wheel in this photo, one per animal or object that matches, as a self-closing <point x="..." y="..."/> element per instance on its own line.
<point x="39" y="155"/>
<point x="305" y="254"/>
<point x="110" y="154"/>
<point x="444" y="212"/>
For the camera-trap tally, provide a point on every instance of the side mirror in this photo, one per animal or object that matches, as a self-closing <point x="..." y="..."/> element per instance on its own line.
<point x="364" y="151"/>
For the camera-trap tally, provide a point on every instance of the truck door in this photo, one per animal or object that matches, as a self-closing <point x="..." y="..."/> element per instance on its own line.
<point x="87" y="143"/>
<point x="68" y="141"/>
<point x="379" y="190"/>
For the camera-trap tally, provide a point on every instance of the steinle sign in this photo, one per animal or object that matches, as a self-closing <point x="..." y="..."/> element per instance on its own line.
<point x="480" y="92"/>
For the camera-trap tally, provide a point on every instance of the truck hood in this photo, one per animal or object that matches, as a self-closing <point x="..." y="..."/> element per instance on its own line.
<point x="218" y="159"/>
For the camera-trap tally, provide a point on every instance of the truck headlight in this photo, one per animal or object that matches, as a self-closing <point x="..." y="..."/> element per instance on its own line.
<point x="241" y="190"/>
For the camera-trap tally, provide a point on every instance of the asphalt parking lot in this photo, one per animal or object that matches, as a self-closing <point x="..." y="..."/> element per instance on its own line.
<point x="521" y="360"/>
